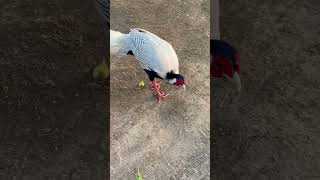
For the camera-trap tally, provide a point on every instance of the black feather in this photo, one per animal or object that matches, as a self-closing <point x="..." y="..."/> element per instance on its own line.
<point x="103" y="7"/>
<point x="152" y="74"/>
<point x="171" y="75"/>
<point x="130" y="53"/>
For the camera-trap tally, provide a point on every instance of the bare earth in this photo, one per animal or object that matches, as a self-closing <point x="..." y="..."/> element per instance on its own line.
<point x="52" y="113"/>
<point x="273" y="131"/>
<point x="169" y="140"/>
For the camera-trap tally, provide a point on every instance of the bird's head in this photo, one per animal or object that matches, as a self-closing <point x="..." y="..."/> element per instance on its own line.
<point x="224" y="60"/>
<point x="221" y="65"/>
<point x="176" y="79"/>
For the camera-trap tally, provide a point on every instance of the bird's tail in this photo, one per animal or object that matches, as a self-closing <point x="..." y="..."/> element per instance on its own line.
<point x="115" y="41"/>
<point x="103" y="7"/>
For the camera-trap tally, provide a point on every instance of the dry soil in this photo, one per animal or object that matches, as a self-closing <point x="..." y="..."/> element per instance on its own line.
<point x="53" y="115"/>
<point x="169" y="140"/>
<point x="272" y="132"/>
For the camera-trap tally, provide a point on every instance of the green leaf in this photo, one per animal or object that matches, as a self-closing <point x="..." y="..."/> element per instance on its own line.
<point x="139" y="177"/>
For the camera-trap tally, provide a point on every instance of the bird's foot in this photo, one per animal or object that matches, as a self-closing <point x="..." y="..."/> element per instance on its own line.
<point x="156" y="86"/>
<point x="161" y="95"/>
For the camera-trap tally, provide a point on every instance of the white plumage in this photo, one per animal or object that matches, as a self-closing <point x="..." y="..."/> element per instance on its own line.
<point x="152" y="52"/>
<point x="156" y="56"/>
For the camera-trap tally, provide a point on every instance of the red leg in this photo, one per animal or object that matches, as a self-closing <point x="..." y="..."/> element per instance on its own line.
<point x="156" y="86"/>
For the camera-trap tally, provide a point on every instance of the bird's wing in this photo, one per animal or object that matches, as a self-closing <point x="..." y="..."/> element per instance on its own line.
<point x="153" y="52"/>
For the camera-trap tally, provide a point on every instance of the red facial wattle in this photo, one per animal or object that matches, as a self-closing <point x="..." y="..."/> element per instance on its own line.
<point x="223" y="65"/>
<point x="179" y="82"/>
<point x="225" y="60"/>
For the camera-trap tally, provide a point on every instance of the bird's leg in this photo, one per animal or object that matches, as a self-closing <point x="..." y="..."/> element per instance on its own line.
<point x="156" y="86"/>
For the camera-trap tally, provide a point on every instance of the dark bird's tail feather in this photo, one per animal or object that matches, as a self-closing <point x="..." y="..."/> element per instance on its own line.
<point x="103" y="7"/>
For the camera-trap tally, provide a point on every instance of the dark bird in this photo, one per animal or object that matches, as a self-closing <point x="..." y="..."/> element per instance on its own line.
<point x="225" y="62"/>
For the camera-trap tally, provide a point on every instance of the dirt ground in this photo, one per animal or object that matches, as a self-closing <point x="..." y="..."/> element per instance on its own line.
<point x="169" y="140"/>
<point x="53" y="116"/>
<point x="273" y="131"/>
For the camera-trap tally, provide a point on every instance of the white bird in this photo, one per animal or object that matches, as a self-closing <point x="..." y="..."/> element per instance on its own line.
<point x="156" y="56"/>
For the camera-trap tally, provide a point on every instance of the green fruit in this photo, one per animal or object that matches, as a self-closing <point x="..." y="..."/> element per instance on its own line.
<point x="101" y="71"/>
<point x="141" y="83"/>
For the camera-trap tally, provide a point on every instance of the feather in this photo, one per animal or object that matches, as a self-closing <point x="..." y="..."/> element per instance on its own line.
<point x="103" y="7"/>
<point x="152" y="52"/>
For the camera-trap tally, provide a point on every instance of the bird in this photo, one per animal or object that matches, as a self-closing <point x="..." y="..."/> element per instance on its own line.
<point x="155" y="55"/>
<point x="224" y="58"/>
<point x="225" y="62"/>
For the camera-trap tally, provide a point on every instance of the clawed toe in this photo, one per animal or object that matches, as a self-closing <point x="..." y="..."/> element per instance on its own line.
<point x="156" y="86"/>
<point x="162" y="96"/>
